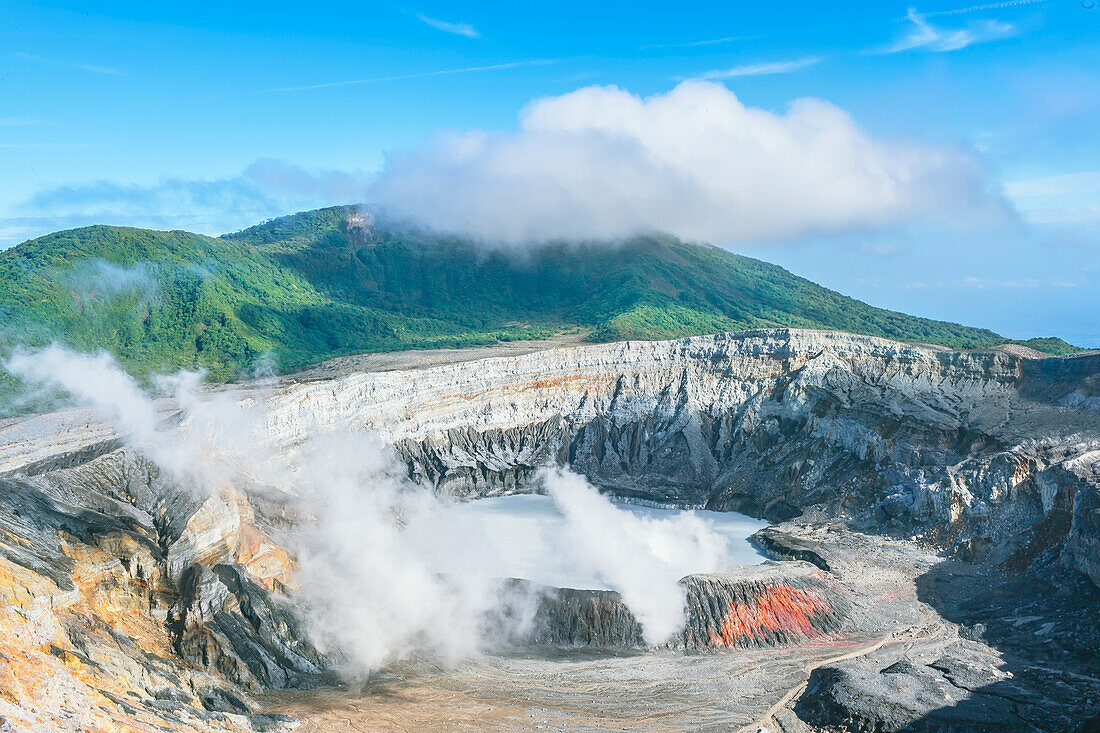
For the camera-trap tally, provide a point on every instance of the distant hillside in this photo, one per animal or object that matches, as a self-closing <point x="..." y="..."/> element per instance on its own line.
<point x="310" y="286"/>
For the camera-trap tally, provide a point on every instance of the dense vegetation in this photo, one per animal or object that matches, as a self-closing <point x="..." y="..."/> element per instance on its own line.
<point x="1052" y="346"/>
<point x="313" y="286"/>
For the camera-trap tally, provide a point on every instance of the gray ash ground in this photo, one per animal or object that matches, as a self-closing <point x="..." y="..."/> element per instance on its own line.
<point x="927" y="644"/>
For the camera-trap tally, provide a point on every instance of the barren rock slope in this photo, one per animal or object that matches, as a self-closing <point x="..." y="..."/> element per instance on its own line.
<point x="128" y="604"/>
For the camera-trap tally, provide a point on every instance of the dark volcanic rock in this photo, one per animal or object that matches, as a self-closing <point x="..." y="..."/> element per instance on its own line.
<point x="591" y="618"/>
<point x="787" y="546"/>
<point x="752" y="607"/>
<point x="946" y="695"/>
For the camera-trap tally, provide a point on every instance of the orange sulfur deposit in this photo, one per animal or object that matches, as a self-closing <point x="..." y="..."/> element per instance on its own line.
<point x="780" y="609"/>
<point x="750" y="607"/>
<point x="761" y="607"/>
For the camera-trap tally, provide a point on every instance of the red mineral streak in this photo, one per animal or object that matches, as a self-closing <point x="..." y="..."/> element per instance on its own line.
<point x="779" y="609"/>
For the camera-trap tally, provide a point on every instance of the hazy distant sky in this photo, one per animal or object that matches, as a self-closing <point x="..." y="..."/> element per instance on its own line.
<point x="212" y="116"/>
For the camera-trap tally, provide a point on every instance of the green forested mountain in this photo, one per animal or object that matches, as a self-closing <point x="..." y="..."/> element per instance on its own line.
<point x="312" y="286"/>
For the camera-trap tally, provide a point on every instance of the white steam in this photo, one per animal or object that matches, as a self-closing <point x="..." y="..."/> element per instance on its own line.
<point x="642" y="558"/>
<point x="207" y="448"/>
<point x="603" y="163"/>
<point x="386" y="568"/>
<point x="99" y="277"/>
<point x="94" y="381"/>
<point x="372" y="591"/>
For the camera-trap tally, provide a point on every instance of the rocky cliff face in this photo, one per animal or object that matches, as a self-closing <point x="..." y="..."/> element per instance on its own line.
<point x="129" y="602"/>
<point x="986" y="454"/>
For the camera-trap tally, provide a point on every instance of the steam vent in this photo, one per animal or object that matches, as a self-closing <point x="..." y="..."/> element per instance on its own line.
<point x="766" y="606"/>
<point x="930" y="514"/>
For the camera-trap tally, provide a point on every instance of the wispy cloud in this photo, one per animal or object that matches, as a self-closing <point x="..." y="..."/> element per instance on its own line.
<point x="458" y="29"/>
<point x="1065" y="199"/>
<point x="422" y="74"/>
<point x="43" y="146"/>
<point x="925" y="36"/>
<point x="265" y="189"/>
<point x="1060" y="185"/>
<point x="21" y="122"/>
<point x="763" y="69"/>
<point x="34" y="58"/>
<point x="981" y="8"/>
<point x="692" y="44"/>
<point x="884" y="249"/>
<point x="974" y="283"/>
<point x="982" y="283"/>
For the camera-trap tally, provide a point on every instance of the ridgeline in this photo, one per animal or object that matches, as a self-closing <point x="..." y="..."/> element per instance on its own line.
<point x="322" y="283"/>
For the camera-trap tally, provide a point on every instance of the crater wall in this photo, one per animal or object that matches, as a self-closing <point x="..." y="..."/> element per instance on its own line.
<point x="140" y="605"/>
<point x="987" y="454"/>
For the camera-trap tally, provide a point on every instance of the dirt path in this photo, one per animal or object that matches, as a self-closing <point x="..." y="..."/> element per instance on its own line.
<point x="929" y="618"/>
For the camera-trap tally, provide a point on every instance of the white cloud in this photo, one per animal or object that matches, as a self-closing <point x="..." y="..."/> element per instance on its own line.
<point x="981" y="283"/>
<point x="1060" y="214"/>
<point x="1062" y="199"/>
<point x="1066" y="184"/>
<point x="458" y="29"/>
<point x="987" y="6"/>
<point x="603" y="163"/>
<point x="985" y="283"/>
<point x="928" y="37"/>
<point x="94" y="68"/>
<point x="883" y="249"/>
<point x="694" y="44"/>
<point x="598" y="163"/>
<point x="265" y="189"/>
<point x="422" y="74"/>
<point x="765" y="68"/>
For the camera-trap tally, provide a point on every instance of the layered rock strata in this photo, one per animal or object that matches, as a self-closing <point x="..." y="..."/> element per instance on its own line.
<point x="129" y="603"/>
<point x="751" y="608"/>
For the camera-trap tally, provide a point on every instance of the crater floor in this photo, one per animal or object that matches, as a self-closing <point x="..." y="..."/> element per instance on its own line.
<point x="903" y="659"/>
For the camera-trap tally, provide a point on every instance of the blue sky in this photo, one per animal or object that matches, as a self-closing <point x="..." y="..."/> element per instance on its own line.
<point x="210" y="116"/>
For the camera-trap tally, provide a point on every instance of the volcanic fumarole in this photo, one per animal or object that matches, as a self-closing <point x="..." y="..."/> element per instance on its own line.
<point x="932" y="509"/>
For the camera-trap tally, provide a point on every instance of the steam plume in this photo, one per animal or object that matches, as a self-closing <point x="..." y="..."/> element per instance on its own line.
<point x="642" y="558"/>
<point x="386" y="567"/>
